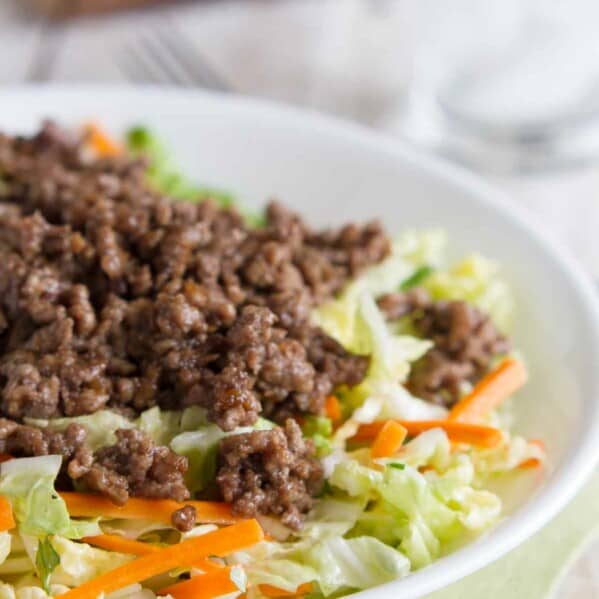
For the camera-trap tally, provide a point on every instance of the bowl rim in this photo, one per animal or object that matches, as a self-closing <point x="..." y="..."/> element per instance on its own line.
<point x="578" y="463"/>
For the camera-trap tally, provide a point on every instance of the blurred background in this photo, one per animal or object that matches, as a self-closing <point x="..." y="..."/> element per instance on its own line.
<point x="508" y="88"/>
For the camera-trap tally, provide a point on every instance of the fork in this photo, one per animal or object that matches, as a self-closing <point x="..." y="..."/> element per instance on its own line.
<point x="165" y="56"/>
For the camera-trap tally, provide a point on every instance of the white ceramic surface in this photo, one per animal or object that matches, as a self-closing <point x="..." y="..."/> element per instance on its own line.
<point x="333" y="172"/>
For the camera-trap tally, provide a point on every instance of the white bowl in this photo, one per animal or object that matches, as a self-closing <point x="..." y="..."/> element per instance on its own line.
<point x="334" y="172"/>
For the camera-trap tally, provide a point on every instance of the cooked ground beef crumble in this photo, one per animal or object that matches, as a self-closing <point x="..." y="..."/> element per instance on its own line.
<point x="271" y="472"/>
<point x="465" y="342"/>
<point x="113" y="296"/>
<point x="184" y="518"/>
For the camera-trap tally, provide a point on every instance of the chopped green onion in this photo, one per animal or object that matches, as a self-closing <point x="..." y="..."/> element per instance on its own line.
<point x="416" y="278"/>
<point x="397" y="465"/>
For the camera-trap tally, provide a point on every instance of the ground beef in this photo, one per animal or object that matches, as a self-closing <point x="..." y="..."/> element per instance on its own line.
<point x="19" y="440"/>
<point x="184" y="518"/>
<point x="114" y="296"/>
<point x="133" y="466"/>
<point x="269" y="472"/>
<point x="398" y="305"/>
<point x="465" y="342"/>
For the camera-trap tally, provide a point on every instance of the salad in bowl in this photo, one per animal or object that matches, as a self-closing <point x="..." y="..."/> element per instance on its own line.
<point x="202" y="401"/>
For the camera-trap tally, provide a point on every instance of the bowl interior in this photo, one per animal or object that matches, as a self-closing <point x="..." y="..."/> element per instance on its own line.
<point x="335" y="173"/>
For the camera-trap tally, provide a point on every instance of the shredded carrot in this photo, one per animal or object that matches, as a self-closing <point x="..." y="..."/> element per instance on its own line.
<point x="529" y="464"/>
<point x="388" y="440"/>
<point x="7" y="520"/>
<point x="132" y="547"/>
<point x="220" y="542"/>
<point x="4" y="457"/>
<point x="159" y="510"/>
<point x="333" y="408"/>
<point x="473" y="434"/>
<point x="205" y="586"/>
<point x="490" y="391"/>
<point x="121" y="544"/>
<point x="101" y="142"/>
<point x="533" y="462"/>
<point x="269" y="591"/>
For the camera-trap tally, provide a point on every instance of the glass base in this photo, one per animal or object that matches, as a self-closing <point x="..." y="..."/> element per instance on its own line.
<point x="506" y="150"/>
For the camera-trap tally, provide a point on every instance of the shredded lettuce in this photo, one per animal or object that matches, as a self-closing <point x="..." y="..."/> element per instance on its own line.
<point x="354" y="564"/>
<point x="29" y="485"/>
<point x="477" y="280"/>
<point x="162" y="426"/>
<point x="390" y="358"/>
<point x="504" y="457"/>
<point x="356" y="322"/>
<point x="410" y="252"/>
<point x="8" y="591"/>
<point x="422" y="514"/>
<point x="333" y="563"/>
<point x="320" y="430"/>
<point x="80" y="562"/>
<point x="165" y="176"/>
<point x="200" y="448"/>
<point x="422" y="247"/>
<point x="5" y="546"/>
<point x="100" y="426"/>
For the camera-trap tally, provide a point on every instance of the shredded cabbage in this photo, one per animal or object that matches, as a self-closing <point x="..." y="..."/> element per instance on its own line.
<point x="29" y="485"/>
<point x="477" y="280"/>
<point x="166" y="177"/>
<point x="335" y="563"/>
<point x="356" y="322"/>
<point x="420" y="513"/>
<point x="5" y="546"/>
<point x="100" y="426"/>
<point x="80" y="562"/>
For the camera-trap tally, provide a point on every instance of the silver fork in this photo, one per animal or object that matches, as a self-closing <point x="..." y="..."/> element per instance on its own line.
<point x="166" y="57"/>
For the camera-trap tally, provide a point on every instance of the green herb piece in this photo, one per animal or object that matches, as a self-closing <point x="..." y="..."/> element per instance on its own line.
<point x="317" y="425"/>
<point x="322" y="445"/>
<point x="165" y="177"/>
<point x="46" y="561"/>
<point x="416" y="278"/>
<point x="320" y="430"/>
<point x="397" y="465"/>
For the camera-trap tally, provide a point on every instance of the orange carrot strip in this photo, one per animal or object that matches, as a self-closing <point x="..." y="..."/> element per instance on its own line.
<point x="529" y="464"/>
<point x="533" y="462"/>
<point x="388" y="440"/>
<point x="269" y="591"/>
<point x="101" y="142"/>
<point x="205" y="586"/>
<point x="220" y="542"/>
<point x="332" y="408"/>
<point x="490" y="391"/>
<point x="473" y="434"/>
<point x="7" y="520"/>
<point x="160" y="510"/>
<point x="4" y="457"/>
<point x="132" y="547"/>
<point x="121" y="544"/>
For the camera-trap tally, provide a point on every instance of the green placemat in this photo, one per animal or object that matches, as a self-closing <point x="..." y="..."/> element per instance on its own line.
<point x="535" y="569"/>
